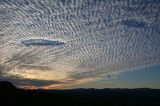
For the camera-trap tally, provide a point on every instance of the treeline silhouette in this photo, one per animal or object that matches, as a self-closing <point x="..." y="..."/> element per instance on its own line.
<point x="12" y="96"/>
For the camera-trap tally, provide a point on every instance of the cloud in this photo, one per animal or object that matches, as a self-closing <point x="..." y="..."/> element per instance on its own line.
<point x="134" y="23"/>
<point x="21" y="81"/>
<point x="30" y="82"/>
<point x="74" y="42"/>
<point x="41" y="42"/>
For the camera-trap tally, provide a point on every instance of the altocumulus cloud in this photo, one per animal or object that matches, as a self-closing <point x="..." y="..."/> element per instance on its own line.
<point x="41" y="42"/>
<point x="53" y="44"/>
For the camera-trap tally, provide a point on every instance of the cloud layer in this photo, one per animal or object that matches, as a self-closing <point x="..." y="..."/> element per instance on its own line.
<point x="72" y="41"/>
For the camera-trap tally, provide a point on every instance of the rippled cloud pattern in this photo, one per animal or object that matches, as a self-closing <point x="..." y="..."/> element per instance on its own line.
<point x="58" y="43"/>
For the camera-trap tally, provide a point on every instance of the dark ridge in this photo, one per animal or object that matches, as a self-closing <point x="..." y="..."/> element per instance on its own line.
<point x="6" y="85"/>
<point x="79" y="97"/>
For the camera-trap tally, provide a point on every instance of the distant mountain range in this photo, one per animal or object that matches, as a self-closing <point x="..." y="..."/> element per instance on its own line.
<point x="10" y="95"/>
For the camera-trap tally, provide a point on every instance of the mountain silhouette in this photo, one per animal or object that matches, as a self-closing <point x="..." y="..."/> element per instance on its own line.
<point x="6" y="85"/>
<point x="10" y="96"/>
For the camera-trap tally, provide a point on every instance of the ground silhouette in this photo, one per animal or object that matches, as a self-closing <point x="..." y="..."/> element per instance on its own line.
<point x="6" y="85"/>
<point x="12" y="96"/>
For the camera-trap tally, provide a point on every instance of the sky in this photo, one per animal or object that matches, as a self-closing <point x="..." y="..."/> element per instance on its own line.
<point x="138" y="78"/>
<point x="60" y="44"/>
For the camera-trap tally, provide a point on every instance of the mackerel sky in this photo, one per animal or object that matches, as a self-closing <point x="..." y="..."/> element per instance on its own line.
<point x="54" y="44"/>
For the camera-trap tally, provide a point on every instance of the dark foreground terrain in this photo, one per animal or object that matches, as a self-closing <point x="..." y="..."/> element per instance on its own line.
<point x="11" y="96"/>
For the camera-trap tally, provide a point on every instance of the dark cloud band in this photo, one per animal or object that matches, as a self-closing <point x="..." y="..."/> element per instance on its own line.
<point x="41" y="42"/>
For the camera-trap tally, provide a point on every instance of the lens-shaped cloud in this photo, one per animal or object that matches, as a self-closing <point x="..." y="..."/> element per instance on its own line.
<point x="134" y="23"/>
<point x="41" y="42"/>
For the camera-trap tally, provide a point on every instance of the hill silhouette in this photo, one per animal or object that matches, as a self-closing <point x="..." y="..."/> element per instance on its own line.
<point x="10" y="95"/>
<point x="6" y="85"/>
